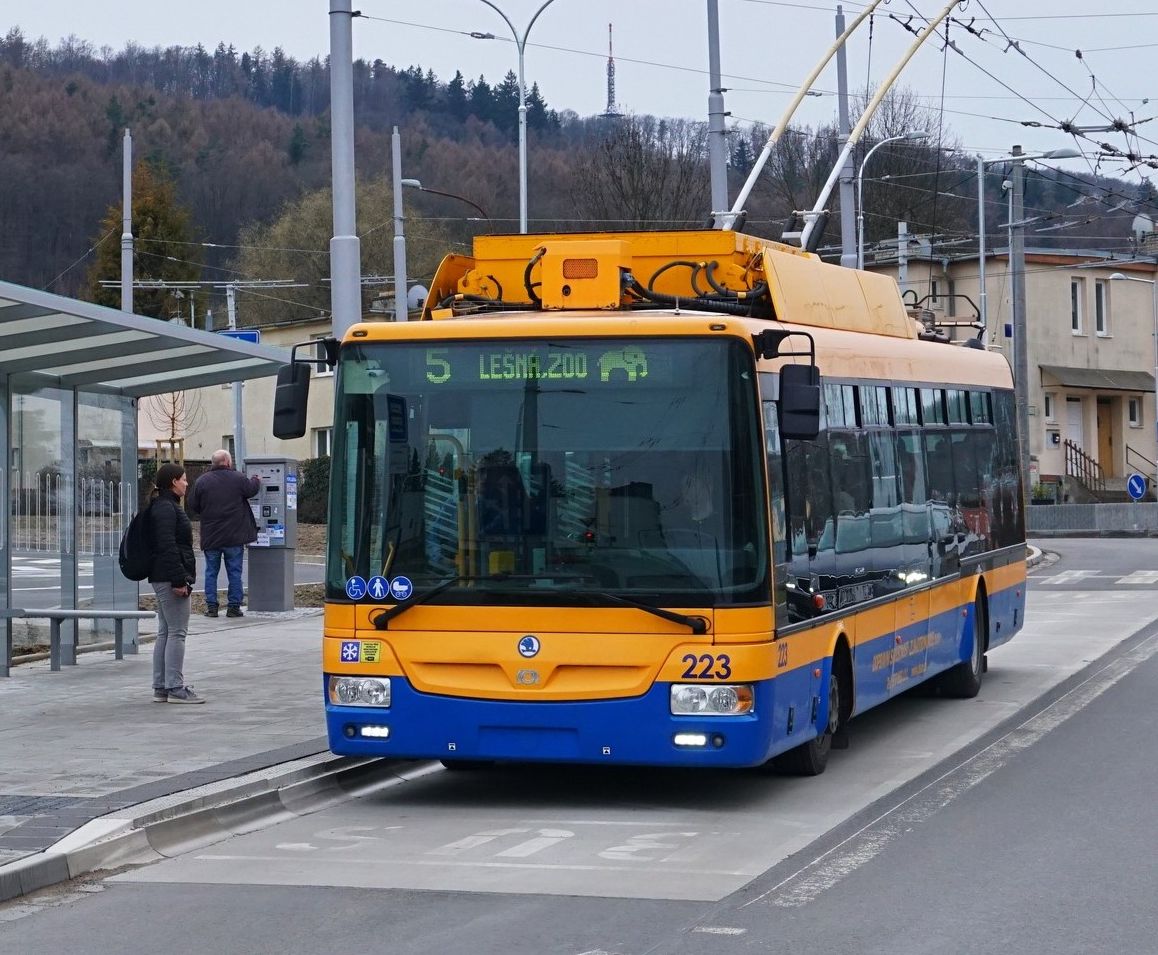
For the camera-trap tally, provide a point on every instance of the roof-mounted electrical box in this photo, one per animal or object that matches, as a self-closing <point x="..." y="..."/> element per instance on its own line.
<point x="583" y="273"/>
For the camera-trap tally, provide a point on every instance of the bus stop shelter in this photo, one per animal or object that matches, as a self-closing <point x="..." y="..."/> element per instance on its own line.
<point x="71" y="377"/>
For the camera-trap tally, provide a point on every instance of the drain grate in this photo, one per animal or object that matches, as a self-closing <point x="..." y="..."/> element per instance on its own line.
<point x="23" y="805"/>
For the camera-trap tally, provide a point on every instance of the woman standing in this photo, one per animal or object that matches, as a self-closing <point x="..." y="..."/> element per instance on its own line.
<point x="172" y="576"/>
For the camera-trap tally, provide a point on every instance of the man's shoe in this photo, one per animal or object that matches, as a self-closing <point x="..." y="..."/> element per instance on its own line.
<point x="233" y="612"/>
<point x="160" y="695"/>
<point x="211" y="611"/>
<point x="184" y="694"/>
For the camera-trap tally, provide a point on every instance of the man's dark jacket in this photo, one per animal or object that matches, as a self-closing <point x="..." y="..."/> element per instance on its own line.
<point x="221" y="498"/>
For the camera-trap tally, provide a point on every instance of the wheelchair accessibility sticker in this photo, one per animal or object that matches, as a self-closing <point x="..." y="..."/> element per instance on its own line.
<point x="355" y="588"/>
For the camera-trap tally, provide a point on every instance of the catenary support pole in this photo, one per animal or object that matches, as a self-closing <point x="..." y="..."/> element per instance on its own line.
<point x="717" y="151"/>
<point x="848" y="240"/>
<point x="345" y="248"/>
<point x="1020" y="337"/>
<point x="127" y="225"/>
<point x="400" y="313"/>
<point x="238" y="394"/>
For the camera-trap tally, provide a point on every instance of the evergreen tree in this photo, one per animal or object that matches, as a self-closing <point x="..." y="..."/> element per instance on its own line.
<point x="456" y="101"/>
<point x="482" y="100"/>
<point x="162" y="247"/>
<point x="506" y="100"/>
<point x="539" y="117"/>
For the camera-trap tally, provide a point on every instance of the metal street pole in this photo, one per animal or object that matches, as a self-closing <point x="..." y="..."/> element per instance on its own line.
<point x="521" y="45"/>
<point x="127" y="225"/>
<point x="716" y="144"/>
<point x="848" y="257"/>
<point x="238" y="399"/>
<point x="400" y="312"/>
<point x="345" y="248"/>
<point x="983" y="301"/>
<point x="860" y="192"/>
<point x="1020" y="339"/>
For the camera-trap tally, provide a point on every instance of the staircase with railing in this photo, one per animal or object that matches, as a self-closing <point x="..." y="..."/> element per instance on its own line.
<point x="1085" y="470"/>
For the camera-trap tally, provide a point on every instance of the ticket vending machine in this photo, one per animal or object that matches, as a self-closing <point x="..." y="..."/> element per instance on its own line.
<point x="271" y="556"/>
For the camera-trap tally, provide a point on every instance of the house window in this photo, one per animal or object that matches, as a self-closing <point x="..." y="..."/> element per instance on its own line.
<point x="323" y="440"/>
<point x="1135" y="405"/>
<point x="321" y="369"/>
<point x="1077" y="293"/>
<point x="1049" y="406"/>
<point x="1101" y="308"/>
<point x="227" y="443"/>
<point x="934" y="292"/>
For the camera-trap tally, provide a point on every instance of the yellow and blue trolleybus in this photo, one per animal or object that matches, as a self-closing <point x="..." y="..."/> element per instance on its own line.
<point x="689" y="498"/>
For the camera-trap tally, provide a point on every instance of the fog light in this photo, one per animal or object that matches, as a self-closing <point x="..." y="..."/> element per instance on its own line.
<point x="376" y="732"/>
<point x="690" y="740"/>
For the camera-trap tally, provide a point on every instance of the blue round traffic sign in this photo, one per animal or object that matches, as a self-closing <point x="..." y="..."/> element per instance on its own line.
<point x="1136" y="487"/>
<point x="401" y="588"/>
<point x="355" y="588"/>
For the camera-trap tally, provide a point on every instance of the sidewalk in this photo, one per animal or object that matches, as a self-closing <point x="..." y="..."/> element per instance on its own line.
<point x="88" y="740"/>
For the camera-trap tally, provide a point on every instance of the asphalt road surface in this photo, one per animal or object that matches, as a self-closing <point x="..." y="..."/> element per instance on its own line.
<point x="1021" y="821"/>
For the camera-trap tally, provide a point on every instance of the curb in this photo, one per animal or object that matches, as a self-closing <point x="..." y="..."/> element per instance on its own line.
<point x="161" y="828"/>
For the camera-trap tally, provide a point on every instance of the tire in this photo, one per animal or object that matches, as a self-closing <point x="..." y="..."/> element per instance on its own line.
<point x="963" y="682"/>
<point x="811" y="758"/>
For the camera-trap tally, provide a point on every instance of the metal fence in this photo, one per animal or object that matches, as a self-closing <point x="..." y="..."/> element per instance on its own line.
<point x="1058" y="520"/>
<point x="39" y="514"/>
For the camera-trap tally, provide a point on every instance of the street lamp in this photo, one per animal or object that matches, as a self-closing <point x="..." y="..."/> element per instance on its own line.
<point x="1120" y="277"/>
<point x="912" y="136"/>
<point x="1017" y="274"/>
<point x="521" y="45"/>
<point x="1065" y="153"/>
<point x="416" y="184"/>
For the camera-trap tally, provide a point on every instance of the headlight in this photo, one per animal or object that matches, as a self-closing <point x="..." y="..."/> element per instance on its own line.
<point x="359" y="691"/>
<point x="694" y="699"/>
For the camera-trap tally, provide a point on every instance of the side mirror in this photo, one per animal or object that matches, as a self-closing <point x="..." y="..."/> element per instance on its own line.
<point x="290" y="400"/>
<point x="800" y="402"/>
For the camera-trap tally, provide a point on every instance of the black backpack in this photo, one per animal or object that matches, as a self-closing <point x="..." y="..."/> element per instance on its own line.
<point x="136" y="552"/>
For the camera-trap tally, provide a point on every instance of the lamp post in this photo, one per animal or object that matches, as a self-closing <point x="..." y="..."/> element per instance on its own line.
<point x="521" y="45"/>
<point x="416" y="184"/>
<point x="1017" y="276"/>
<point x="1120" y="277"/>
<point x="912" y="136"/>
<point x="981" y="164"/>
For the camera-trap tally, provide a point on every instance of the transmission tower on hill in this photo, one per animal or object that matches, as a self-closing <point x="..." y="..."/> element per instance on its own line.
<point x="612" y="111"/>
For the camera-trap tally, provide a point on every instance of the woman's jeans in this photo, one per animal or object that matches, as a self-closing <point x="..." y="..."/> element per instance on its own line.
<point x="172" y="626"/>
<point x="233" y="558"/>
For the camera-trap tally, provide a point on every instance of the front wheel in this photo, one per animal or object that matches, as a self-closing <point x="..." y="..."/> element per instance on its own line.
<point x="963" y="681"/>
<point x="811" y="758"/>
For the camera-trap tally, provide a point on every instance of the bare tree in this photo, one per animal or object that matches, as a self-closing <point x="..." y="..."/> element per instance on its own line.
<point x="176" y="415"/>
<point x="644" y="173"/>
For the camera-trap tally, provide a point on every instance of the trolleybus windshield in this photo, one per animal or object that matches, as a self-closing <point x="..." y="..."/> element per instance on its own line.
<point x="550" y="471"/>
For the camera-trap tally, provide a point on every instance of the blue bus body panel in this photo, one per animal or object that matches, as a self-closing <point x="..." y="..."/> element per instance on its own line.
<point x="636" y="731"/>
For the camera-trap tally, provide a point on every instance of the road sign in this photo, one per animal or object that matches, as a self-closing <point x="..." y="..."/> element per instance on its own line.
<point x="1136" y="487"/>
<point x="251" y="335"/>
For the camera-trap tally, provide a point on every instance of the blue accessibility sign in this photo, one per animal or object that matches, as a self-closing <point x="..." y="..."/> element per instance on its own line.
<point x="355" y="588"/>
<point x="401" y="588"/>
<point x="1136" y="487"/>
<point x="377" y="587"/>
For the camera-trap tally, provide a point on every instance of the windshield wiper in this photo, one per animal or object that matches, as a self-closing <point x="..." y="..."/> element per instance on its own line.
<point x="382" y="620"/>
<point x="696" y="624"/>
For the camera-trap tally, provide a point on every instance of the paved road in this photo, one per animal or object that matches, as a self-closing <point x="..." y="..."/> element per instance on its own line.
<point x="949" y="826"/>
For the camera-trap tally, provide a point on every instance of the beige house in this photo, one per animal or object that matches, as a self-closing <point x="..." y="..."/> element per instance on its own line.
<point x="1091" y="348"/>
<point x="211" y="418"/>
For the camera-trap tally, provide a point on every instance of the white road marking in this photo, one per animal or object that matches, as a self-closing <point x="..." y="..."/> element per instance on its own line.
<point x="718" y="930"/>
<point x="1071" y="576"/>
<point x="808" y="883"/>
<point x="1140" y="577"/>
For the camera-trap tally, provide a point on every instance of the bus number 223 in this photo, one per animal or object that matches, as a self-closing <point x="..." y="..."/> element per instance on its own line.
<point x="707" y="667"/>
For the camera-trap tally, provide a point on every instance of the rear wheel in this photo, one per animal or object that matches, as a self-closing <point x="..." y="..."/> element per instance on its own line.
<point x="811" y="758"/>
<point x="963" y="682"/>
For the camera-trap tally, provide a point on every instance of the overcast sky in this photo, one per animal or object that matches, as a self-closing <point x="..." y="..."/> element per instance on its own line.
<point x="768" y="48"/>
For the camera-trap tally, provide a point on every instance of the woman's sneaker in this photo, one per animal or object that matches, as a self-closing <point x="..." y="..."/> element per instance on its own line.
<point x="184" y="694"/>
<point x="160" y="695"/>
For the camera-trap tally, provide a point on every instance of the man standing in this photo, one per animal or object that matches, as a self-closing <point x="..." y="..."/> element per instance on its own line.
<point x="221" y="498"/>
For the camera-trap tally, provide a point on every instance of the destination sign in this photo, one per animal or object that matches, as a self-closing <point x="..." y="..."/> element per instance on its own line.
<point x="626" y="364"/>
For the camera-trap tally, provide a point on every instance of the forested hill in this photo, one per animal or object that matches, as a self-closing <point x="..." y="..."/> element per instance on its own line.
<point x="243" y="134"/>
